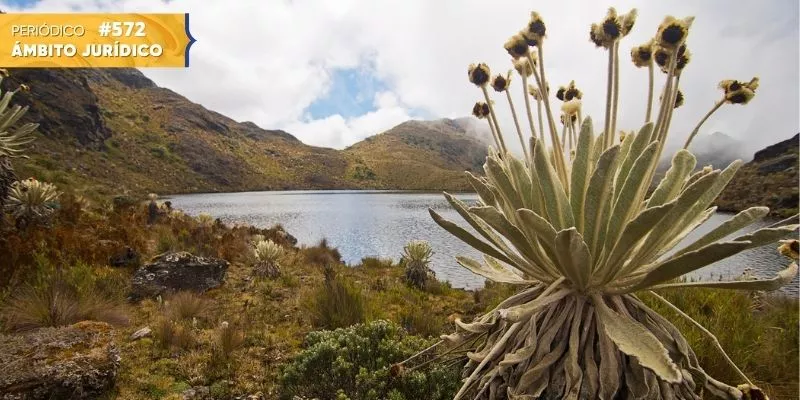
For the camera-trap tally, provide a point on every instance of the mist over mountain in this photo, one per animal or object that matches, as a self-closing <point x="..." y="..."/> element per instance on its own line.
<point x="716" y="149"/>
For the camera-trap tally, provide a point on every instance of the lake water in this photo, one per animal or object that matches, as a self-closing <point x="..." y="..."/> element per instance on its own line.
<point x="380" y="223"/>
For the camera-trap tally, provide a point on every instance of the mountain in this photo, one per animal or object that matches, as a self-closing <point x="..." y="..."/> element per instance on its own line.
<point x="716" y="149"/>
<point x="770" y="179"/>
<point x="422" y="154"/>
<point x="114" y="130"/>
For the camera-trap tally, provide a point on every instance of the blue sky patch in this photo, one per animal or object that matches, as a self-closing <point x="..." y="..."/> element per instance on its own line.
<point x="20" y="3"/>
<point x="352" y="93"/>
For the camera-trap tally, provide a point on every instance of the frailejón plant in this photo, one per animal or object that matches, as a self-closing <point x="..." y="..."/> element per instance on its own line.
<point x="12" y="140"/>
<point x="267" y="254"/>
<point x="416" y="258"/>
<point x="31" y="201"/>
<point x="575" y="225"/>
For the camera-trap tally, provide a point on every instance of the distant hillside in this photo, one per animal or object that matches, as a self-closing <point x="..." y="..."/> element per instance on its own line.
<point x="421" y="154"/>
<point x="114" y="130"/>
<point x="770" y="179"/>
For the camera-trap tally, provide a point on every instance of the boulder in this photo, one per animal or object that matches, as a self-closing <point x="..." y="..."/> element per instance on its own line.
<point x="79" y="361"/>
<point x="177" y="271"/>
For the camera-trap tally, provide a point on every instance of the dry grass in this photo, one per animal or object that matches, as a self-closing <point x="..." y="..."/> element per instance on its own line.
<point x="169" y="334"/>
<point x="57" y="304"/>
<point x="227" y="339"/>
<point x="185" y="306"/>
<point x="759" y="333"/>
<point x="338" y="303"/>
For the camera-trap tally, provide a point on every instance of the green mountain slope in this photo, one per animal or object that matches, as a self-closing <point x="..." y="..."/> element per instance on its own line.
<point x="113" y="130"/>
<point x="421" y="155"/>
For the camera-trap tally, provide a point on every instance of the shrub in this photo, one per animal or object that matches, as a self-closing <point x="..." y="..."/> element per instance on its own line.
<point x="416" y="257"/>
<point x="185" y="305"/>
<point x="322" y="254"/>
<point x="338" y="303"/>
<point x="57" y="303"/>
<point x="166" y="242"/>
<point x="123" y="202"/>
<point x="357" y="362"/>
<point x="374" y="262"/>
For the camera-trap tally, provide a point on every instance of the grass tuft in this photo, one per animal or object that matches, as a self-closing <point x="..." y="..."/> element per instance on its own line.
<point x="58" y="303"/>
<point x="185" y="306"/>
<point x="338" y="303"/>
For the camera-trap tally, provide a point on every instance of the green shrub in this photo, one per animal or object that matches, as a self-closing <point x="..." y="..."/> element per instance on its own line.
<point x="356" y="362"/>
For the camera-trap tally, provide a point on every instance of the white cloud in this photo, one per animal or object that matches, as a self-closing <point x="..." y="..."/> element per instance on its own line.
<point x="337" y="131"/>
<point x="266" y="61"/>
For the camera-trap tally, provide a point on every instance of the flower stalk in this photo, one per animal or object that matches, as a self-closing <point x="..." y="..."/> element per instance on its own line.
<point x="649" y="93"/>
<point x="501" y="84"/>
<point x="528" y="105"/>
<point x="502" y="144"/>
<point x="558" y="150"/>
<point x="616" y="91"/>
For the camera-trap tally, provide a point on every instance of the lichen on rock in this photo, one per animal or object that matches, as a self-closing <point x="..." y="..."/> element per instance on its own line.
<point x="74" y="362"/>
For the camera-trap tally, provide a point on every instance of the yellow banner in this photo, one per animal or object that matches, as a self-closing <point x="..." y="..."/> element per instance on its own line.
<point x="94" y="40"/>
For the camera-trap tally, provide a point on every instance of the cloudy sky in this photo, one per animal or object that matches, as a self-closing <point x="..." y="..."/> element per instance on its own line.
<point x="333" y="72"/>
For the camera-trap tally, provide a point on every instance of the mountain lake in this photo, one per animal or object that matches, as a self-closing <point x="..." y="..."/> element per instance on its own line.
<point x="379" y="223"/>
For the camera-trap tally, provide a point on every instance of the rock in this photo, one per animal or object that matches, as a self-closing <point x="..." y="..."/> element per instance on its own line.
<point x="141" y="333"/>
<point x="777" y="149"/>
<point x="78" y="118"/>
<point x="79" y="361"/>
<point x="130" y="77"/>
<point x="126" y="258"/>
<point x="176" y="271"/>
